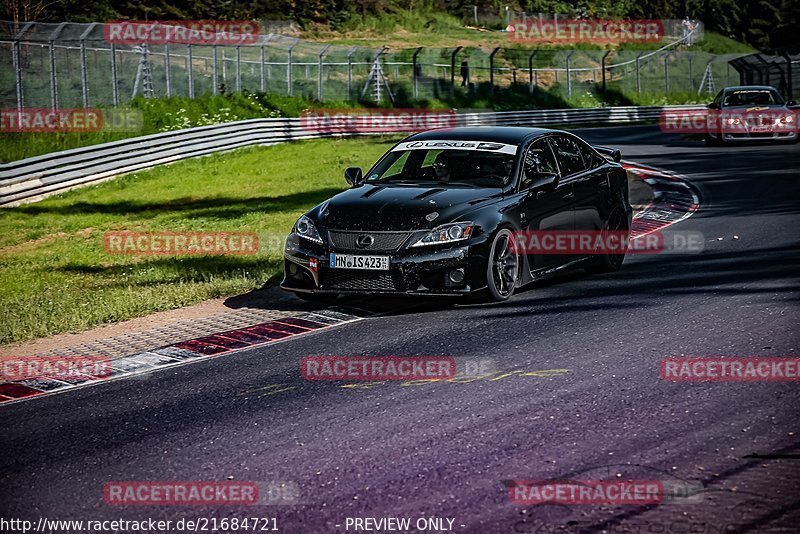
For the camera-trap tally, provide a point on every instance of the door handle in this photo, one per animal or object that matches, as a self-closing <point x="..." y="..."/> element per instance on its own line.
<point x="568" y="196"/>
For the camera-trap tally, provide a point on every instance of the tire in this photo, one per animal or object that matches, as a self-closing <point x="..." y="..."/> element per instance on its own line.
<point x="710" y="141"/>
<point x="609" y="263"/>
<point x="503" y="266"/>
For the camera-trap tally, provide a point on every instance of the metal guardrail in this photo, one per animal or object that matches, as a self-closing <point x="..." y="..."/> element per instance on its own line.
<point x="35" y="178"/>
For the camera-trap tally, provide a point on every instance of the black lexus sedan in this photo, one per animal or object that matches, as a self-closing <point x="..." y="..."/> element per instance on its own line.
<point x="437" y="215"/>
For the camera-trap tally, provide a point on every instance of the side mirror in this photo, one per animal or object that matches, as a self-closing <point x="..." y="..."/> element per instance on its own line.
<point x="353" y="175"/>
<point x="713" y="105"/>
<point x="544" y="181"/>
<point x="791" y="103"/>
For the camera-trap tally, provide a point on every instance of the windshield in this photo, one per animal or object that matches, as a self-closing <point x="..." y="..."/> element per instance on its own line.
<point x="475" y="164"/>
<point x="757" y="97"/>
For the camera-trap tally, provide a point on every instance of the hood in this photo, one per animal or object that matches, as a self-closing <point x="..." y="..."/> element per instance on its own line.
<point x="374" y="207"/>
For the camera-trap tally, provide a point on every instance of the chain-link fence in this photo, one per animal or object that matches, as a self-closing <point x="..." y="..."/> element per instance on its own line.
<point x="73" y="65"/>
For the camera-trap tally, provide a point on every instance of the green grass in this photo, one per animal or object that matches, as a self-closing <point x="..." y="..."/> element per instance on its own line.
<point x="55" y="275"/>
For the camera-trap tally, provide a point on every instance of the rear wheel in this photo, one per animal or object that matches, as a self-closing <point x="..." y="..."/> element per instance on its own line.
<point x="502" y="271"/>
<point x="607" y="263"/>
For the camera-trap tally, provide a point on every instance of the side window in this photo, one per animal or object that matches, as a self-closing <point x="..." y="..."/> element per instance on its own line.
<point x="569" y="155"/>
<point x="538" y="159"/>
<point x="590" y="158"/>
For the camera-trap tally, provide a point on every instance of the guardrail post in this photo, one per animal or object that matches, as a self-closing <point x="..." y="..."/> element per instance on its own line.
<point x="414" y="74"/>
<point x="453" y="69"/>
<point x="569" y="73"/>
<point x="530" y="70"/>
<point x="491" y="69"/>
<point x="167" y="73"/>
<point x="319" y="73"/>
<point x="214" y="69"/>
<point x="190" y="69"/>
<point x="638" y="75"/>
<point x="666" y="73"/>
<point x="603" y="69"/>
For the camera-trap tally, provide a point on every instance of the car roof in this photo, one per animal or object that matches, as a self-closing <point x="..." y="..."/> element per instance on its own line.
<point x="496" y="134"/>
<point x="750" y="87"/>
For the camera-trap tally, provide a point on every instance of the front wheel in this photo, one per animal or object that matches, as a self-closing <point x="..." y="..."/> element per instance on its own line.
<point x="502" y="271"/>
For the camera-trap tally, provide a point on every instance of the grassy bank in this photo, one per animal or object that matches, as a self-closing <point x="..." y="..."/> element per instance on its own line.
<point x="55" y="275"/>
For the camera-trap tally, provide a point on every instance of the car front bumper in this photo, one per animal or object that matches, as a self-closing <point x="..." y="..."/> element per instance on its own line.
<point x="413" y="271"/>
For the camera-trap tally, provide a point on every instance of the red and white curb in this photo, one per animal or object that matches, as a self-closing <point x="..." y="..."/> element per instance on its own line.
<point x="209" y="346"/>
<point x="674" y="200"/>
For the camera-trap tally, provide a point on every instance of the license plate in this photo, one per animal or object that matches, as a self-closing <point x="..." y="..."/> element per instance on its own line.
<point x="348" y="261"/>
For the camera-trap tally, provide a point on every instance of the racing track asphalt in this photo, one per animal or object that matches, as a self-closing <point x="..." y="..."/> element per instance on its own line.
<point x="585" y="400"/>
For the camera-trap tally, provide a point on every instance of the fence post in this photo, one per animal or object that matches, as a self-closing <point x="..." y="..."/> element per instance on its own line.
<point x="491" y="69"/>
<point x="214" y="70"/>
<point x="167" y="73"/>
<point x="638" y="76"/>
<point x="262" y="78"/>
<point x="350" y="72"/>
<point x="190" y="69"/>
<point x="319" y="73"/>
<point x="84" y="67"/>
<point x="789" y="88"/>
<point x="569" y="73"/>
<point x="414" y="76"/>
<point x="603" y="68"/>
<point x="666" y="73"/>
<point x="52" y="54"/>
<point x="239" y="67"/>
<point x="691" y="78"/>
<point x="530" y="70"/>
<point x="114" y="87"/>
<point x="16" y="56"/>
<point x="453" y="70"/>
<point x="289" y="67"/>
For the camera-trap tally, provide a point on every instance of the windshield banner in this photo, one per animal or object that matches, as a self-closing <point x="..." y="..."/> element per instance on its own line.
<point x="487" y="146"/>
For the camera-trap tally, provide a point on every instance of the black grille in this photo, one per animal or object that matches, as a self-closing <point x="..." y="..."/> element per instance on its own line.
<point x="361" y="280"/>
<point x="381" y="241"/>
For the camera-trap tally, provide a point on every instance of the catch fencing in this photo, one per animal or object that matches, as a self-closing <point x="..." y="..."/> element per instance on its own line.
<point x="71" y="65"/>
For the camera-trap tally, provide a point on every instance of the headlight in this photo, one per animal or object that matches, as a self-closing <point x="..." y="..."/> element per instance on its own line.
<point x="304" y="227"/>
<point x="447" y="233"/>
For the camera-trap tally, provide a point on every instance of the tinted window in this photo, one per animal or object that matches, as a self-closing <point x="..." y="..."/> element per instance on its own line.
<point x="569" y="155"/>
<point x="538" y="159"/>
